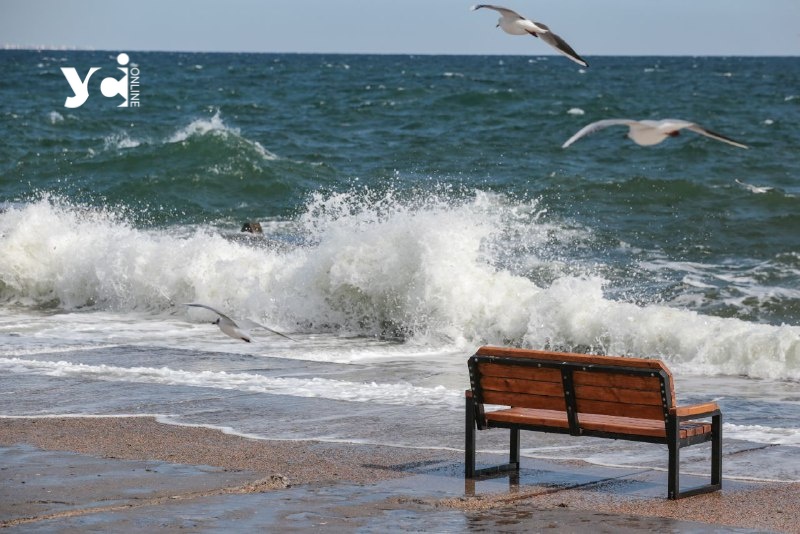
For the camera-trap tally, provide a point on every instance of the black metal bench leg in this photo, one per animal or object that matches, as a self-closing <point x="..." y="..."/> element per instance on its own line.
<point x="673" y="484"/>
<point x="469" y="448"/>
<point x="674" y="491"/>
<point x="513" y="457"/>
<point x="716" y="450"/>
<point x="469" y="437"/>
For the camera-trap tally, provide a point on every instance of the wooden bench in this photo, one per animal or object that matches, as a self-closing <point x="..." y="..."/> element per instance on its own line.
<point x="583" y="395"/>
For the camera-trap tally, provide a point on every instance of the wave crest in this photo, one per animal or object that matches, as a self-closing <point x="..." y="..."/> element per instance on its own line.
<point x="216" y="127"/>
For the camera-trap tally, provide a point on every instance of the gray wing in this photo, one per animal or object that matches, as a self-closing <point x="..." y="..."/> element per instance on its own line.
<point x="502" y="10"/>
<point x="595" y="126"/>
<point x="713" y="135"/>
<point x="247" y="323"/>
<point x="561" y="45"/>
<point x="224" y="318"/>
<point x="668" y="125"/>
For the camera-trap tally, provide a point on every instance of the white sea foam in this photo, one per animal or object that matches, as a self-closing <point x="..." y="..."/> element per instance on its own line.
<point x="216" y="126"/>
<point x="401" y="393"/>
<point x="763" y="434"/>
<point x="430" y="269"/>
<point x="397" y="394"/>
<point x="201" y="127"/>
<point x="55" y="117"/>
<point x="50" y="350"/>
<point x="119" y="141"/>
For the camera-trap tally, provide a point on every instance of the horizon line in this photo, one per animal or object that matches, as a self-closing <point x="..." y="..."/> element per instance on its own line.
<point x="67" y="48"/>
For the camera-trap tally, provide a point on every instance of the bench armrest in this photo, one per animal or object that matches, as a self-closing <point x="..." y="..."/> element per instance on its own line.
<point x="695" y="411"/>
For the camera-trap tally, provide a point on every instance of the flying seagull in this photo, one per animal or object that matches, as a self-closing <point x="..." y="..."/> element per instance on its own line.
<point x="515" y="24"/>
<point x="648" y="132"/>
<point x="236" y="329"/>
<point x="754" y="188"/>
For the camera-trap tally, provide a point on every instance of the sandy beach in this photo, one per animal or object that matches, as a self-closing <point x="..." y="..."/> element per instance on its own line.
<point x="135" y="471"/>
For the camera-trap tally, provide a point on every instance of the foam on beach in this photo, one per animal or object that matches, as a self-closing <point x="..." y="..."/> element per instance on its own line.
<point x="315" y="387"/>
<point x="397" y="394"/>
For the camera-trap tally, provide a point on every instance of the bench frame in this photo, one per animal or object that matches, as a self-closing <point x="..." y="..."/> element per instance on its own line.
<point x="673" y="416"/>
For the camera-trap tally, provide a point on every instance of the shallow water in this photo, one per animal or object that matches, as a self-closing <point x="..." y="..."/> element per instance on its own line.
<point x="360" y="391"/>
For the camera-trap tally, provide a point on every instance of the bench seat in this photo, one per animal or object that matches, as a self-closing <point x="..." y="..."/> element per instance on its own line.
<point x="557" y="420"/>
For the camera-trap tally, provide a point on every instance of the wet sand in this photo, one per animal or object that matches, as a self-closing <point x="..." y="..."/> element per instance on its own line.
<point x="134" y="472"/>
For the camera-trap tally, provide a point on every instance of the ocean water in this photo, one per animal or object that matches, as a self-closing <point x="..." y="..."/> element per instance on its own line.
<point x="413" y="208"/>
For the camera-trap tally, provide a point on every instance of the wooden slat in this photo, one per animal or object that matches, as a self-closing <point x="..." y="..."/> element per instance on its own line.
<point x="598" y="423"/>
<point x="627" y="396"/>
<point x="516" y="385"/>
<point x="616" y="380"/>
<point x="638" y="411"/>
<point x="639" y="427"/>
<point x="553" y="418"/>
<point x="695" y="409"/>
<point x="623" y="425"/>
<point x="587" y="359"/>
<point x="695" y="429"/>
<point x="523" y="401"/>
<point x="543" y="374"/>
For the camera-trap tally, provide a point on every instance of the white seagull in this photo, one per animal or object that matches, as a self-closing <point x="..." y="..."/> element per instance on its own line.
<point x="236" y="329"/>
<point x="515" y="24"/>
<point x="758" y="189"/>
<point x="648" y="132"/>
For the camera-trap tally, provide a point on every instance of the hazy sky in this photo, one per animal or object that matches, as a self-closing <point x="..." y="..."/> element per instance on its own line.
<point x="592" y="27"/>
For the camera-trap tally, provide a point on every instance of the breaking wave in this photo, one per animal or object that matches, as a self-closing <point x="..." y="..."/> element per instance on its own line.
<point x="436" y="268"/>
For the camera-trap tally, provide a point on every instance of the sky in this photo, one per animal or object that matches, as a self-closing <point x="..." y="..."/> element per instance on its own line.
<point x="592" y="27"/>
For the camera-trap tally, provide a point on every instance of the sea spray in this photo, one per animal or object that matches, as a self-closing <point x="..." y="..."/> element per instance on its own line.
<point x="215" y="126"/>
<point x="427" y="268"/>
<point x="71" y="257"/>
<point x="573" y="312"/>
<point x="409" y="267"/>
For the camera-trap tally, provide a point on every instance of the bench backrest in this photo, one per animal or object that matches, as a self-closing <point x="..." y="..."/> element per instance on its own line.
<point x="581" y="383"/>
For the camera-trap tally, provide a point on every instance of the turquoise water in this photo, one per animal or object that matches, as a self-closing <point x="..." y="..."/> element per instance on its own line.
<point x="414" y="208"/>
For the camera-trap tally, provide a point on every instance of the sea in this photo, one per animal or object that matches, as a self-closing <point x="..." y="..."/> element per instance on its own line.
<point x="413" y="208"/>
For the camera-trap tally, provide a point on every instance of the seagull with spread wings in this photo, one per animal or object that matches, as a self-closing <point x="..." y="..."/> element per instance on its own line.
<point x="515" y="24"/>
<point x="238" y="329"/>
<point x="648" y="132"/>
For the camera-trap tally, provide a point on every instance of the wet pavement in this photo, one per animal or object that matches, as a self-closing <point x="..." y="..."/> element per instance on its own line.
<point x="49" y="491"/>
